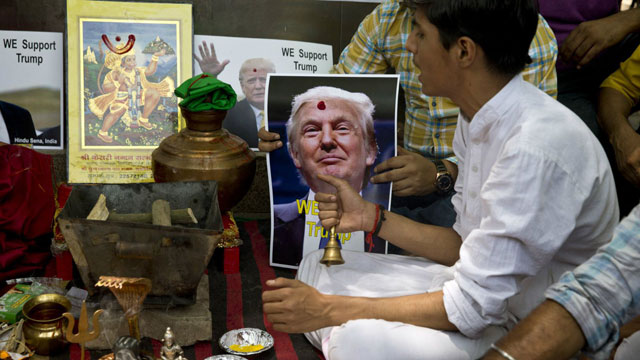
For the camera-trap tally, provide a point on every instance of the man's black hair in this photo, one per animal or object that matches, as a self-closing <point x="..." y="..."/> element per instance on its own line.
<point x="503" y="28"/>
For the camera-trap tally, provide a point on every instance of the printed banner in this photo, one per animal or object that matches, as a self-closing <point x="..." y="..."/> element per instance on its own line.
<point x="250" y="60"/>
<point x="125" y="60"/>
<point x="341" y="125"/>
<point x="31" y="69"/>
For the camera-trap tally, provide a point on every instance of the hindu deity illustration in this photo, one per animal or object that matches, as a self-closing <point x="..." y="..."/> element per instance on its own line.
<point x="127" y="93"/>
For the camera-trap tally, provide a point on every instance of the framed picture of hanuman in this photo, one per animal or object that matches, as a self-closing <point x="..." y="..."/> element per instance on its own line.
<point x="123" y="69"/>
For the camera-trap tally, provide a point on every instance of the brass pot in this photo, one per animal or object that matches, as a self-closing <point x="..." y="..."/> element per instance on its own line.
<point x="205" y="151"/>
<point x="44" y="324"/>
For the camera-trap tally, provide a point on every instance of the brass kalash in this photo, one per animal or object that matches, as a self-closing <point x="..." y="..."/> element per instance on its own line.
<point x="332" y="255"/>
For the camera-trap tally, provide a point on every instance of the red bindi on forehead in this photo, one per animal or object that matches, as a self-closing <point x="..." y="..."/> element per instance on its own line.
<point x="321" y="105"/>
<point x="255" y="70"/>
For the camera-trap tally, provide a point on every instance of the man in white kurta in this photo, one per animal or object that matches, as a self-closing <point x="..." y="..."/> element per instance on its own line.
<point x="535" y="197"/>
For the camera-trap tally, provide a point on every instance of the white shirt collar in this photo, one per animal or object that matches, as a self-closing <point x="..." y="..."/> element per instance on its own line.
<point x="493" y="109"/>
<point x="258" y="116"/>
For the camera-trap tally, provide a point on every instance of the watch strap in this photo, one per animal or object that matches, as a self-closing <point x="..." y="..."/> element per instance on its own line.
<point x="440" y="167"/>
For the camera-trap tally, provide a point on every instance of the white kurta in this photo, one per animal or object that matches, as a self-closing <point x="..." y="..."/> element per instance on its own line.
<point x="535" y="197"/>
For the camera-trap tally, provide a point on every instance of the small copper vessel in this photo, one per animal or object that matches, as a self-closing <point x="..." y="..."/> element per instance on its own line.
<point x="205" y="151"/>
<point x="44" y="323"/>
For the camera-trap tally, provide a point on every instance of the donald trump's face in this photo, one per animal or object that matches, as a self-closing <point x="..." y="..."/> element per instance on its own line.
<point x="330" y="140"/>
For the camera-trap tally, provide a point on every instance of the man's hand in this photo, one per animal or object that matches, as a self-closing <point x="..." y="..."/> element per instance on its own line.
<point x="160" y="53"/>
<point x="294" y="307"/>
<point x="268" y="141"/>
<point x="627" y="149"/>
<point x="208" y="60"/>
<point x="346" y="210"/>
<point x="590" y="38"/>
<point x="411" y="173"/>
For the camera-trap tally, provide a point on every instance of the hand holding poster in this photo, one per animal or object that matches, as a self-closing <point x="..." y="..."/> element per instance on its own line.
<point x="337" y="125"/>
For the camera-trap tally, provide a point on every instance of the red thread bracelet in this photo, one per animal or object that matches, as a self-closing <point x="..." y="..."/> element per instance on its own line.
<point x="369" y="238"/>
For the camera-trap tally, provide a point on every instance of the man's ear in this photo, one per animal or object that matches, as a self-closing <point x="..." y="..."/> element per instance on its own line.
<point x="466" y="51"/>
<point x="372" y="153"/>
<point x="294" y="156"/>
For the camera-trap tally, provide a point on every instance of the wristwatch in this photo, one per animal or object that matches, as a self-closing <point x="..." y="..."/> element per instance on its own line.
<point x="444" y="180"/>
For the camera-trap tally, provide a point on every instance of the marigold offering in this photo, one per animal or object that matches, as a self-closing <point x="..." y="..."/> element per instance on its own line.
<point x="246" y="348"/>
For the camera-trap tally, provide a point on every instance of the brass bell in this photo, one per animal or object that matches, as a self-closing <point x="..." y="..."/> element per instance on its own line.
<point x="332" y="254"/>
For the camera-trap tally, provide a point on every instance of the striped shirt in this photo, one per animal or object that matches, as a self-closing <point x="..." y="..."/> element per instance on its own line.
<point x="604" y="293"/>
<point x="380" y="45"/>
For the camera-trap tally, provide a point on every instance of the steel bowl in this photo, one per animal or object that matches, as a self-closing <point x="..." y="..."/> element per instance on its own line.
<point x="226" y="357"/>
<point x="246" y="337"/>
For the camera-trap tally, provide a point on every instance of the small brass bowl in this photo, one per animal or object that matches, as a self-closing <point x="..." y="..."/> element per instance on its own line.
<point x="44" y="324"/>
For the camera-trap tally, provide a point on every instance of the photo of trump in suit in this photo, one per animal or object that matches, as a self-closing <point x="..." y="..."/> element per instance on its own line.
<point x="329" y="131"/>
<point x="247" y="116"/>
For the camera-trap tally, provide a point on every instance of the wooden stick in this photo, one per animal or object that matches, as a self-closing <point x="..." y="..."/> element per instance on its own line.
<point x="178" y="216"/>
<point x="99" y="210"/>
<point x="160" y="213"/>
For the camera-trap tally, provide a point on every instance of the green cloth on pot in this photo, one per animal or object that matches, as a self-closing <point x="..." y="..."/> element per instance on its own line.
<point x="196" y="90"/>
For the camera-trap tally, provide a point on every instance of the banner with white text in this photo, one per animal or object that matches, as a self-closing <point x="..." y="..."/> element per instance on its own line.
<point x="32" y="77"/>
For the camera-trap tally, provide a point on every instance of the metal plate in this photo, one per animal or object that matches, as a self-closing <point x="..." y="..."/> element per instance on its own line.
<point x="246" y="337"/>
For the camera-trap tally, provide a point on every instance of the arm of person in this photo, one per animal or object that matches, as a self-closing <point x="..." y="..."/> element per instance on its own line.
<point x="541" y="72"/>
<point x="587" y="306"/>
<point x="630" y="327"/>
<point x="153" y="65"/>
<point x="590" y="38"/>
<point x="295" y="307"/>
<point x="549" y="332"/>
<point x="363" y="54"/>
<point x="411" y="173"/>
<point x="349" y="212"/>
<point x="619" y="92"/>
<point x="208" y="60"/>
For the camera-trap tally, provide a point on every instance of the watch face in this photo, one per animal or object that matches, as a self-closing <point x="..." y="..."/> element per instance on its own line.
<point x="444" y="182"/>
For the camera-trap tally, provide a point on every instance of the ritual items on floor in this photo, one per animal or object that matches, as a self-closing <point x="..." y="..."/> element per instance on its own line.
<point x="161" y="214"/>
<point x="12" y="301"/>
<point x="246" y="341"/>
<point x="130" y="293"/>
<point x="226" y="357"/>
<point x="43" y="326"/>
<point x="12" y="341"/>
<point x="170" y="350"/>
<point x="22" y="290"/>
<point x="127" y="348"/>
<point x="125" y="248"/>
<point x="83" y="335"/>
